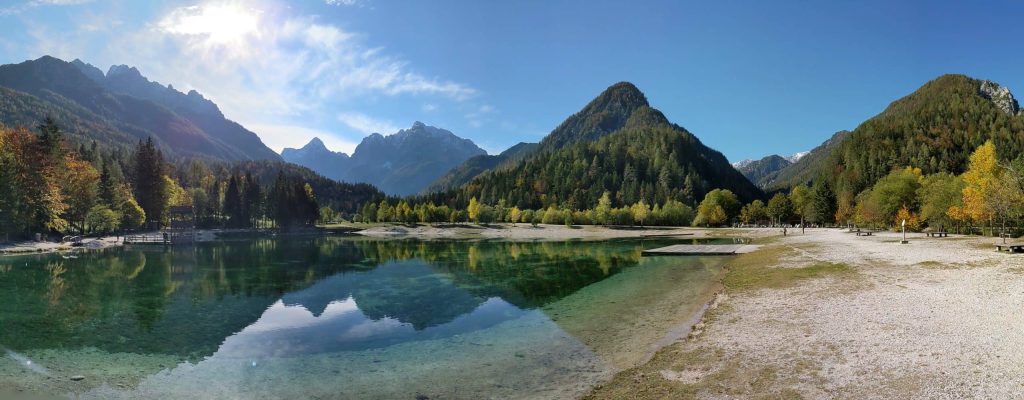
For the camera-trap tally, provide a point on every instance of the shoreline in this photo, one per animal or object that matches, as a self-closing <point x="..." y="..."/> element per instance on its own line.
<point x="44" y="247"/>
<point x="831" y="315"/>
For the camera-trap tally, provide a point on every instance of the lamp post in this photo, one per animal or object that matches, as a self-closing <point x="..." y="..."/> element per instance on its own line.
<point x="904" y="226"/>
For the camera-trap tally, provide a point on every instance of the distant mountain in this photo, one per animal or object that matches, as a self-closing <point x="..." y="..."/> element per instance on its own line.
<point x="315" y="156"/>
<point x="400" y="164"/>
<point x="120" y="108"/>
<point x="935" y="128"/>
<point x="765" y="169"/>
<point x="616" y="143"/>
<point x="477" y="165"/>
<point x="803" y="170"/>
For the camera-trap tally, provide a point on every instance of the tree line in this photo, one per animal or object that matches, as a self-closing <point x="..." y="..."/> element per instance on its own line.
<point x="51" y="187"/>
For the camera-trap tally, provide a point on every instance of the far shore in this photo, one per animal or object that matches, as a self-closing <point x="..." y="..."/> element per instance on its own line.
<point x="546" y="232"/>
<point x="425" y="231"/>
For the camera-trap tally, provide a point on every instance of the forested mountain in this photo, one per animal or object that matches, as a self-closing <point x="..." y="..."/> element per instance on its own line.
<point x="618" y="144"/>
<point x="119" y="109"/>
<point x="477" y="165"/>
<point x="192" y="106"/>
<point x="400" y="164"/>
<point x="764" y="170"/>
<point x="935" y="129"/>
<point x="607" y="113"/>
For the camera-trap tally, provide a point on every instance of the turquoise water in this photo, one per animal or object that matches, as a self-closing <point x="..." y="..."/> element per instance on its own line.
<point x="334" y="317"/>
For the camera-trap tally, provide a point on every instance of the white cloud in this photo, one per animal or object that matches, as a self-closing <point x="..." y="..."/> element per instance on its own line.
<point x="277" y="137"/>
<point x="477" y="117"/>
<point x="261" y="66"/>
<point x="343" y="2"/>
<point x="429" y="107"/>
<point x="218" y="24"/>
<point x="365" y="124"/>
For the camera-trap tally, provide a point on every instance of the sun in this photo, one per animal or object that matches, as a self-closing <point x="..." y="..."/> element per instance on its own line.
<point x="219" y="23"/>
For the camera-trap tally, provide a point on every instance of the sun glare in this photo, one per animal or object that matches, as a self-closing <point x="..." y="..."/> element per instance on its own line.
<point x="221" y="24"/>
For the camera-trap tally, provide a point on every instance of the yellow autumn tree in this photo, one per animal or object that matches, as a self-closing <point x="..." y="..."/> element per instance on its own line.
<point x="979" y="182"/>
<point x="913" y="220"/>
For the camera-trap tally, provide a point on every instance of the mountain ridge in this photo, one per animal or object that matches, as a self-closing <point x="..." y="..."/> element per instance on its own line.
<point x="101" y="112"/>
<point x="401" y="163"/>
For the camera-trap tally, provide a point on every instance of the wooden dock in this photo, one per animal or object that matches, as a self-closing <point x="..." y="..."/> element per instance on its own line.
<point x="699" y="250"/>
<point x="161" y="238"/>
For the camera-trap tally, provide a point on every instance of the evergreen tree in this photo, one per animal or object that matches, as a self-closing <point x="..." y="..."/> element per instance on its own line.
<point x="148" y="182"/>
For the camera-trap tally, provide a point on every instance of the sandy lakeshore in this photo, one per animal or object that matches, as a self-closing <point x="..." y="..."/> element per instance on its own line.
<point x="829" y="314"/>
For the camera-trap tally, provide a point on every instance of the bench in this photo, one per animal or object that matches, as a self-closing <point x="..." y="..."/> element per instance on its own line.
<point x="1010" y="247"/>
<point x="937" y="234"/>
<point x="864" y="233"/>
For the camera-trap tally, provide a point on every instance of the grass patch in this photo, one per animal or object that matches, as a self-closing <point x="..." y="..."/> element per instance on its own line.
<point x="760" y="270"/>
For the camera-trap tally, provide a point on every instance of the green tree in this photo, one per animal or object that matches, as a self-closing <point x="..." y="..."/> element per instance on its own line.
<point x="753" y="213"/>
<point x="939" y="193"/>
<point x="148" y="182"/>
<point x="779" y="208"/>
<point x="641" y="211"/>
<point x="101" y="219"/>
<point x="132" y="215"/>
<point x="717" y="208"/>
<point x="800" y="196"/>
<point x="603" y="209"/>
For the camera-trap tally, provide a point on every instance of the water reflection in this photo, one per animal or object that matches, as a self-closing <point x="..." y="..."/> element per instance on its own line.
<point x="344" y="317"/>
<point x="187" y="300"/>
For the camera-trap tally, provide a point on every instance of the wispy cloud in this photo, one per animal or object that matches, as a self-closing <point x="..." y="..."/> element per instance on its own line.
<point x="344" y="2"/>
<point x="478" y="116"/>
<point x="23" y="6"/>
<point x="365" y="124"/>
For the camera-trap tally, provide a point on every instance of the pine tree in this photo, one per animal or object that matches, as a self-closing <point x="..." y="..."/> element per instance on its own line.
<point x="148" y="182"/>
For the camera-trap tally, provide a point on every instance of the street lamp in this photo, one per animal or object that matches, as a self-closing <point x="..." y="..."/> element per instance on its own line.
<point x="904" y="226"/>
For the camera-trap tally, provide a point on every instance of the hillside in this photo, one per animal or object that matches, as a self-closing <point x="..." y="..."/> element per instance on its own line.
<point x="400" y="164"/>
<point x="934" y="128"/>
<point x="764" y="170"/>
<point x="120" y="108"/>
<point x="803" y="170"/>
<point x="474" y="166"/>
<point x="619" y="144"/>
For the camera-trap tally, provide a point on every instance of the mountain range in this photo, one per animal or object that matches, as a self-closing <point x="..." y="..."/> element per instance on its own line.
<point x="121" y="107"/>
<point x="400" y="164"/>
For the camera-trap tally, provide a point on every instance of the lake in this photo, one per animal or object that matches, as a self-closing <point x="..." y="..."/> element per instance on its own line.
<point x="340" y="317"/>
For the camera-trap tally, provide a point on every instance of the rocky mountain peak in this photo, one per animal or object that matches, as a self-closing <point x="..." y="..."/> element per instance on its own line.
<point x="123" y="70"/>
<point x="1000" y="96"/>
<point x="315" y="144"/>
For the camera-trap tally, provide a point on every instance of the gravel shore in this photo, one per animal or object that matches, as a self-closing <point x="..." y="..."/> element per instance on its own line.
<point x="935" y="318"/>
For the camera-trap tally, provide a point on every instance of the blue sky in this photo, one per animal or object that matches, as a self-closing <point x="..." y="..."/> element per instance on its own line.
<point x="748" y="78"/>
